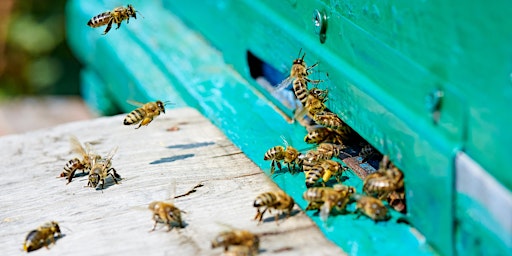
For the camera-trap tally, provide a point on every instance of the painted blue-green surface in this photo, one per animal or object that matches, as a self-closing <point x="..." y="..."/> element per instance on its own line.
<point x="189" y="65"/>
<point x="385" y="60"/>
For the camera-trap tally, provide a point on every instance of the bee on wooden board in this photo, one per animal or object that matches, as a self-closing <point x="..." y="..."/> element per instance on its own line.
<point x="115" y="16"/>
<point x="144" y="113"/>
<point x="326" y="198"/>
<point x="239" y="238"/>
<point x="101" y="169"/>
<point x="288" y="155"/>
<point x="275" y="200"/>
<point x="371" y="207"/>
<point x="83" y="163"/>
<point x="42" y="236"/>
<point x="324" y="170"/>
<point x="166" y="213"/>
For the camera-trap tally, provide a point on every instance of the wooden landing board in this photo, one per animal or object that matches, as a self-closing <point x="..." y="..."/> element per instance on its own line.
<point x="116" y="220"/>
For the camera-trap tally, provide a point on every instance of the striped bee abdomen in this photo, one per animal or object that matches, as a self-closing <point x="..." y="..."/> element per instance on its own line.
<point x="134" y="117"/>
<point x="99" y="20"/>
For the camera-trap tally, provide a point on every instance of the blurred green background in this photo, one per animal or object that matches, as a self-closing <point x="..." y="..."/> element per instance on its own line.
<point x="34" y="56"/>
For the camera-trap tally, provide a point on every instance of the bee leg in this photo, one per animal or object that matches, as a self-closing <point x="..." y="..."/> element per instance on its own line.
<point x="145" y="121"/>
<point x="154" y="227"/>
<point x="169" y="225"/>
<point x="272" y="166"/>
<point x="279" y="165"/>
<point x="109" y="26"/>
<point x="276" y="218"/>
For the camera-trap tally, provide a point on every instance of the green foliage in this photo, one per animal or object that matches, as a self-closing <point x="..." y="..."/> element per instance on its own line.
<point x="37" y="57"/>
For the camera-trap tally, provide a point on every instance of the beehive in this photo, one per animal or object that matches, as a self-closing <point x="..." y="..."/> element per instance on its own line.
<point x="426" y="83"/>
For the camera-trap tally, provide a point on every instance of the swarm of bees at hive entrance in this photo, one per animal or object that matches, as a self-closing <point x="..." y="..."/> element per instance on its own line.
<point x="115" y="16"/>
<point x="334" y="140"/>
<point x="97" y="167"/>
<point x="42" y="236"/>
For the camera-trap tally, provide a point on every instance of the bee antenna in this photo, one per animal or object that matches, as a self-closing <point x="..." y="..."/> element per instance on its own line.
<point x="298" y="56"/>
<point x="140" y="14"/>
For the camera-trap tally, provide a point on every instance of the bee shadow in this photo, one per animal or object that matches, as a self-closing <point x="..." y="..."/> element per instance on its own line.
<point x="192" y="145"/>
<point x="172" y="159"/>
<point x="280" y="216"/>
<point x="285" y="169"/>
<point x="108" y="183"/>
<point x="332" y="182"/>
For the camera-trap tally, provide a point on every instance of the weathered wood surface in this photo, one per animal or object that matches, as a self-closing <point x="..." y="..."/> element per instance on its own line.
<point x="116" y="220"/>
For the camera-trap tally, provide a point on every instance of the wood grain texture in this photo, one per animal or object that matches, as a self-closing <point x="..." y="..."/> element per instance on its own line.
<point x="116" y="220"/>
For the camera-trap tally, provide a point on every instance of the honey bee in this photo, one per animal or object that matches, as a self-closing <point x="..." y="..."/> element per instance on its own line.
<point x="371" y="207"/>
<point x="327" y="198"/>
<point x="288" y="155"/>
<point x="115" y="16"/>
<point x="299" y="76"/>
<point x="237" y="237"/>
<point x="166" y="213"/>
<point x="314" y="103"/>
<point x="145" y="113"/>
<point x="368" y="152"/>
<point x="40" y="237"/>
<point x="324" y="151"/>
<point x="278" y="200"/>
<point x="323" y="134"/>
<point x="325" y="169"/>
<point x="396" y="199"/>
<point x="385" y="181"/>
<point x="101" y="169"/>
<point x="83" y="163"/>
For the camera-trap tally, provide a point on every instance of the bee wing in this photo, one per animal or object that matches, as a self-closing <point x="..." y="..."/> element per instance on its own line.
<point x="76" y="146"/>
<point x="110" y="156"/>
<point x="285" y="83"/>
<point x="285" y="142"/>
<point x="135" y="103"/>
<point x="325" y="210"/>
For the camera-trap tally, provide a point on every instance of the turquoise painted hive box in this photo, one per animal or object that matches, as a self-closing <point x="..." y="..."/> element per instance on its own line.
<point x="428" y="83"/>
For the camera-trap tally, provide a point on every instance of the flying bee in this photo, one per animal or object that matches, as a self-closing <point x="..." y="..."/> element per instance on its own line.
<point x="101" y="169"/>
<point x="323" y="134"/>
<point x="386" y="180"/>
<point x="145" y="113"/>
<point x="327" y="198"/>
<point x="83" y="163"/>
<point x="166" y="213"/>
<point x="237" y="237"/>
<point x="40" y="237"/>
<point x="371" y="207"/>
<point x="288" y="155"/>
<point x="325" y="169"/>
<point x="115" y="16"/>
<point x="278" y="200"/>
